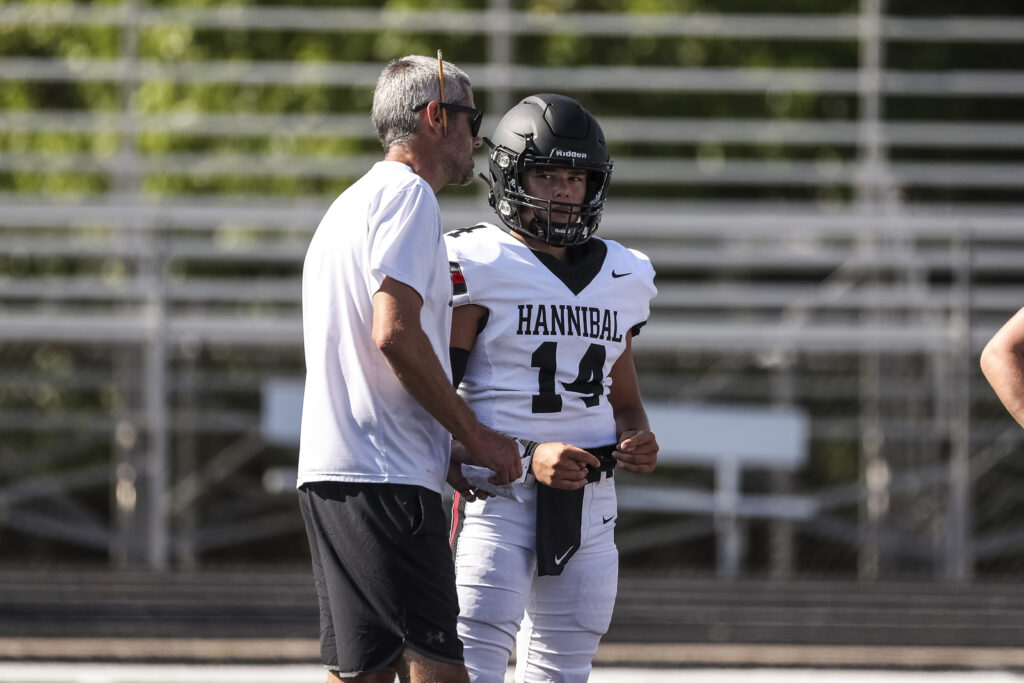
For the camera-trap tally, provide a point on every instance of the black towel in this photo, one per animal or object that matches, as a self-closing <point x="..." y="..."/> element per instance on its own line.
<point x="560" y="517"/>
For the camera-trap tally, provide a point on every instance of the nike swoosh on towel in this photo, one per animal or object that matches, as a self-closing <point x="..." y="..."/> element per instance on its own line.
<point x="560" y="560"/>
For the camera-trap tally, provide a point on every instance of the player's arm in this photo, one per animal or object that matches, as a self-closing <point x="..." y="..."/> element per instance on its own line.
<point x="467" y="321"/>
<point x="1002" y="361"/>
<point x="399" y="336"/>
<point x="638" y="447"/>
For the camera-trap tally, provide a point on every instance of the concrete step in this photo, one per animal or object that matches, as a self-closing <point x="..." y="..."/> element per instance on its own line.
<point x="257" y="602"/>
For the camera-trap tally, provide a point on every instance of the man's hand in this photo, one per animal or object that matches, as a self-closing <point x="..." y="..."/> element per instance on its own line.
<point x="637" y="451"/>
<point x="495" y="451"/>
<point x="562" y="466"/>
<point x="455" y="478"/>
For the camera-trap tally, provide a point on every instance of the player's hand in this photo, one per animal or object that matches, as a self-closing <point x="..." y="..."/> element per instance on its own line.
<point x="455" y="478"/>
<point x="637" y="451"/>
<point x="497" y="452"/>
<point x="562" y="465"/>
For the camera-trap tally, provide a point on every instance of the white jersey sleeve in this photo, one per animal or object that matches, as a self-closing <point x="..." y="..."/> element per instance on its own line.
<point x="397" y="250"/>
<point x="540" y="366"/>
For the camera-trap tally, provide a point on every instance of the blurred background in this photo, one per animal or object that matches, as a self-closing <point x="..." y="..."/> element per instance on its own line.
<point x="831" y="193"/>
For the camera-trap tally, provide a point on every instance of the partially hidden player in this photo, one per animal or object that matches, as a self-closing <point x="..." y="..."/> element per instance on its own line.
<point x="1002" y="361"/>
<point x="544" y="318"/>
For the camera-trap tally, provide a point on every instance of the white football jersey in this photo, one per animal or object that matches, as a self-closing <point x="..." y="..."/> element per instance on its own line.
<point x="540" y="366"/>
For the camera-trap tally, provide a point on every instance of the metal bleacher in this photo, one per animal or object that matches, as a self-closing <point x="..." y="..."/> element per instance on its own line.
<point x="270" y="616"/>
<point x="850" y="258"/>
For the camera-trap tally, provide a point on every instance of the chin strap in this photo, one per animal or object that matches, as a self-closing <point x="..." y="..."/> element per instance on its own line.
<point x="543" y="232"/>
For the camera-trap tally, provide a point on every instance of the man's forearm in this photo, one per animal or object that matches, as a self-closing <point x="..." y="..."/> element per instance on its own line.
<point x="399" y="336"/>
<point x="418" y="369"/>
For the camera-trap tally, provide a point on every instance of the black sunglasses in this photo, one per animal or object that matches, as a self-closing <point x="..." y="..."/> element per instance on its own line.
<point x="474" y="121"/>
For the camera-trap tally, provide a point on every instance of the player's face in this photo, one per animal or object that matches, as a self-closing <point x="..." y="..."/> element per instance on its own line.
<point x="556" y="185"/>
<point x="459" y="145"/>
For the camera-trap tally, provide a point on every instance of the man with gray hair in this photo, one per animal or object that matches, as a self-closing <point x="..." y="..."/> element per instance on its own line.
<point x="379" y="408"/>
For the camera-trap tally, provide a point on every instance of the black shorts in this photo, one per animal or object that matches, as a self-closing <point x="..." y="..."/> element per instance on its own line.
<point x="384" y="574"/>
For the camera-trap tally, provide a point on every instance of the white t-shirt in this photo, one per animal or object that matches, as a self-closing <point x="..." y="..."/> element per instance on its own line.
<point x="540" y="367"/>
<point x="358" y="423"/>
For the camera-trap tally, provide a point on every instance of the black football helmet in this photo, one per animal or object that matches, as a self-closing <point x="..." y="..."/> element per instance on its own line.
<point x="555" y="131"/>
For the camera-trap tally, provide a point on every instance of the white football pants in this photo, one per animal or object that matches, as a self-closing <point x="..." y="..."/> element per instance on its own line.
<point x="559" y="619"/>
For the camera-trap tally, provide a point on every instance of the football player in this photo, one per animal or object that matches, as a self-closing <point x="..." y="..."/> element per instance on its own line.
<point x="544" y="317"/>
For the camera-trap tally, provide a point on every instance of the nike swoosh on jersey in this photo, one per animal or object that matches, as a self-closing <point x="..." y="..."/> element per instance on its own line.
<point x="614" y="274"/>
<point x="560" y="560"/>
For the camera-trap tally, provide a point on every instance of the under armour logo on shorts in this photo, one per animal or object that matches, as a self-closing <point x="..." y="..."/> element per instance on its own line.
<point x="435" y="637"/>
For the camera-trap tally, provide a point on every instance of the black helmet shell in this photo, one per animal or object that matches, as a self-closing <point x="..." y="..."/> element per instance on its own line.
<point x="548" y="130"/>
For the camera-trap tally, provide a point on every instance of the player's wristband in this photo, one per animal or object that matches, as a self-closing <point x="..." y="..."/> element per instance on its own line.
<point x="526" y="447"/>
<point x="526" y="450"/>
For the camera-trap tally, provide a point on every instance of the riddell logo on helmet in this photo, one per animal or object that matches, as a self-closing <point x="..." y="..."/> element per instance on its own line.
<point x="568" y="153"/>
